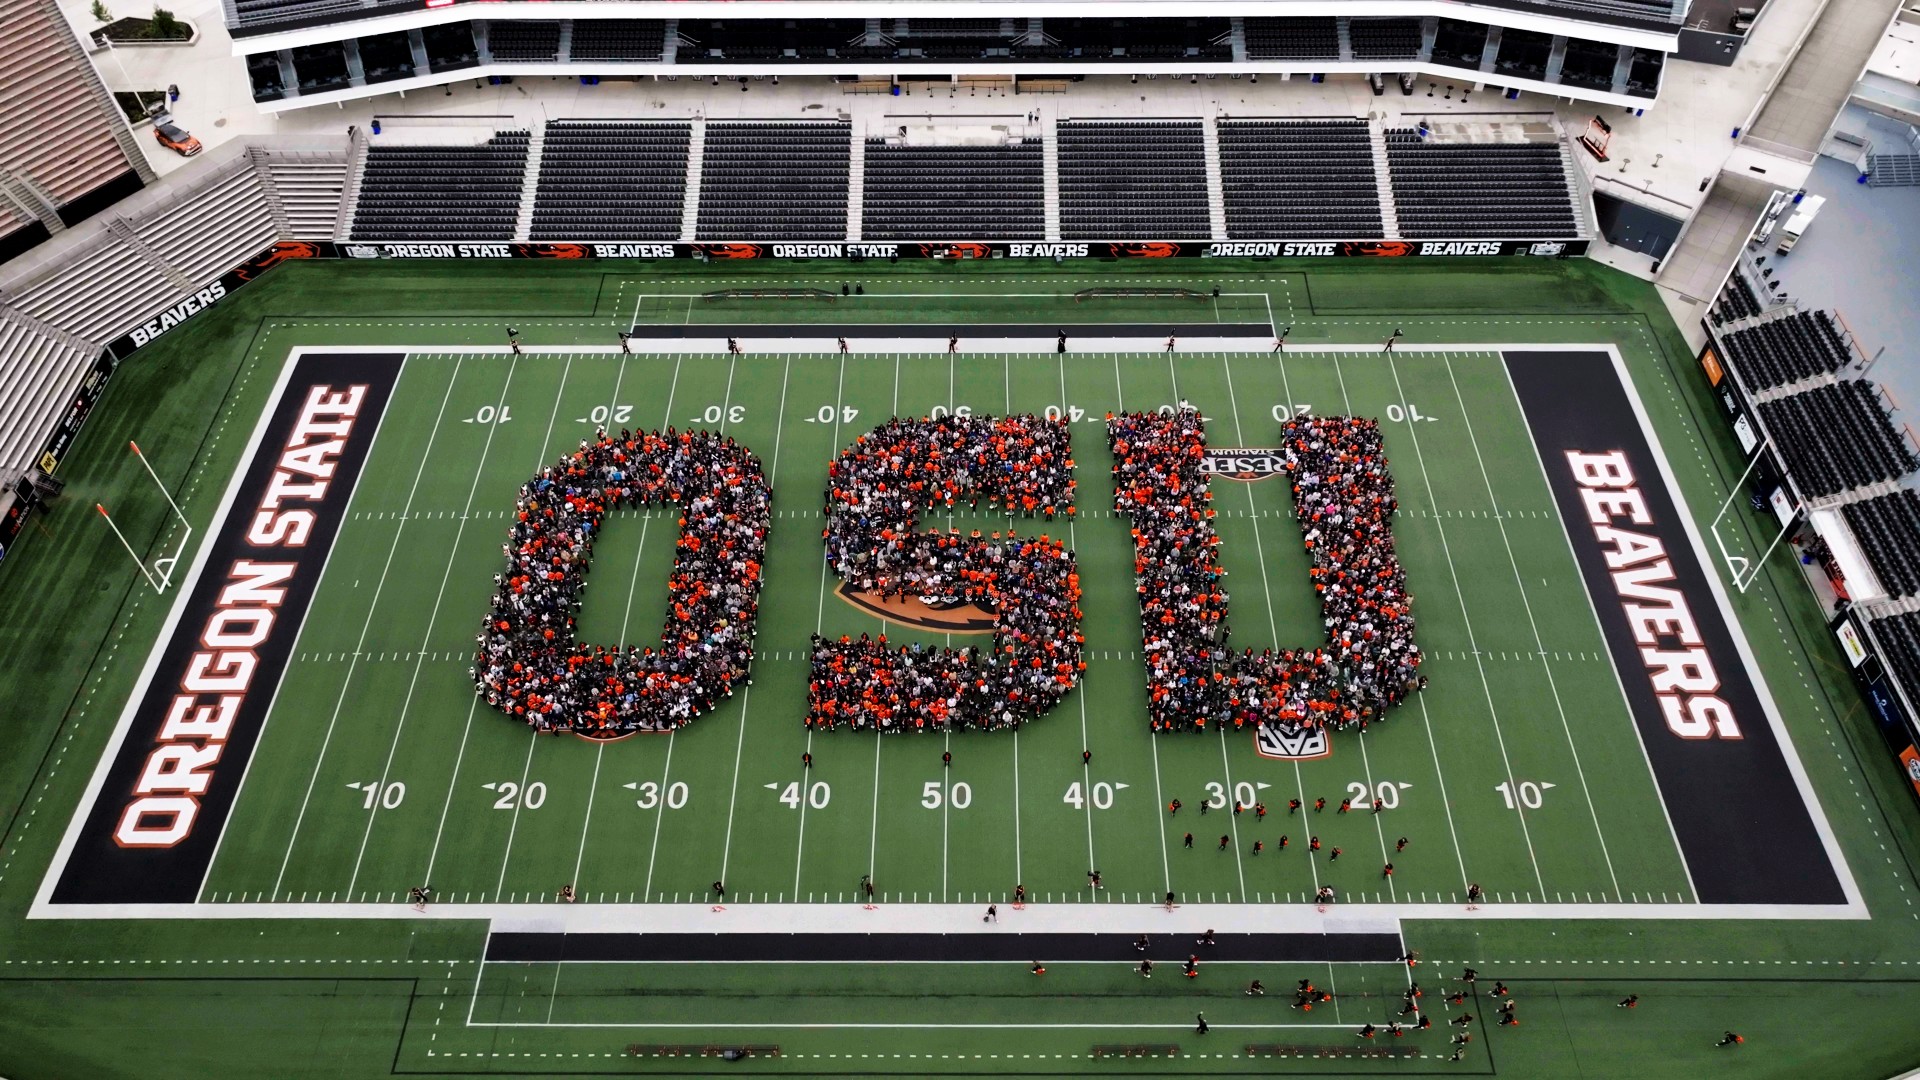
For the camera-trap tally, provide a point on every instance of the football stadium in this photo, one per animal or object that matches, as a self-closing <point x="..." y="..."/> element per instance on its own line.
<point x="884" y="539"/>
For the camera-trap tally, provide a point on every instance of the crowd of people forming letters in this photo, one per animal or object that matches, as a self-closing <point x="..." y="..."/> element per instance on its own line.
<point x="529" y="665"/>
<point x="1343" y="499"/>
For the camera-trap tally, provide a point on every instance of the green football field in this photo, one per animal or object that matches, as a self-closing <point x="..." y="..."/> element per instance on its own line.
<point x="1518" y="769"/>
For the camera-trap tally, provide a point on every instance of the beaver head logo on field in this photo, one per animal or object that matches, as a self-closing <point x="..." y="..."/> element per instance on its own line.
<point x="942" y="615"/>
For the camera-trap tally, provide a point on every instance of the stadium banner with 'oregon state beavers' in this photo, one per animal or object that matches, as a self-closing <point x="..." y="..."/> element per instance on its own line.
<point x="728" y="251"/>
<point x="148" y="826"/>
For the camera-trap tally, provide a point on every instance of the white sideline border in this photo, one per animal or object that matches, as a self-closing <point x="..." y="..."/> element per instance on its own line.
<point x="835" y="918"/>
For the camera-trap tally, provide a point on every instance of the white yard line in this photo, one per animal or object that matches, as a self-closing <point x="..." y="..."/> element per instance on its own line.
<point x="373" y="606"/>
<point x="819" y="617"/>
<point x="1266" y="582"/>
<point x="1539" y="644"/>
<point x="533" y="736"/>
<point x="1473" y="643"/>
<point x="1226" y="764"/>
<point x="740" y="740"/>
<point x="1073" y="538"/>
<point x="633" y="583"/>
<point x="666" y="766"/>
<point x="1153" y="740"/>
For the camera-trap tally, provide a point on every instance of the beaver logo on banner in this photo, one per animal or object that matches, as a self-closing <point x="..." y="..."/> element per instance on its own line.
<point x="1291" y="742"/>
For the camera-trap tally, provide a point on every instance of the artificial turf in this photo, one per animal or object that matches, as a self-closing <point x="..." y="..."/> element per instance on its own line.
<point x="214" y="995"/>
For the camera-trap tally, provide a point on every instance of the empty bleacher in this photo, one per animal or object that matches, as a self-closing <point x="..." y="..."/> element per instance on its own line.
<point x="1888" y="528"/>
<point x="1312" y="38"/>
<point x="523" y="40"/>
<point x="442" y="192"/>
<point x="618" y="39"/>
<point x="310" y="194"/>
<point x="611" y="180"/>
<point x="1306" y="179"/>
<point x="1385" y="38"/>
<point x="1787" y="350"/>
<point x="98" y="293"/>
<point x="1837" y="438"/>
<point x="38" y="371"/>
<point x="1446" y="190"/>
<point x="773" y="180"/>
<point x="217" y="228"/>
<point x="1136" y="180"/>
<point x="954" y="192"/>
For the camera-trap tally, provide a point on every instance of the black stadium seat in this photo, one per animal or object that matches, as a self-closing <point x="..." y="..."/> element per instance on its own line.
<point x="775" y="180"/>
<point x="611" y="180"/>
<point x="442" y="192"/>
<point x="1299" y="179"/>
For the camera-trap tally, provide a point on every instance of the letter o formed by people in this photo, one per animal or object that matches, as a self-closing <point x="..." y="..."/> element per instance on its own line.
<point x="876" y="490"/>
<point x="529" y="664"/>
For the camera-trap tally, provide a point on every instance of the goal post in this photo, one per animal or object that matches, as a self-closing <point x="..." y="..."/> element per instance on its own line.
<point x="1742" y="570"/>
<point x="160" y="574"/>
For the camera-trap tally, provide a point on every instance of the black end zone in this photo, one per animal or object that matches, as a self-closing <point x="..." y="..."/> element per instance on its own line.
<point x="1741" y="820"/>
<point x="963" y="331"/>
<point x="132" y="846"/>
<point x="936" y="948"/>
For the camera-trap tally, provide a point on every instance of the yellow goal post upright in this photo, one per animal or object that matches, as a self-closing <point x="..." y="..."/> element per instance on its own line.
<point x="160" y="574"/>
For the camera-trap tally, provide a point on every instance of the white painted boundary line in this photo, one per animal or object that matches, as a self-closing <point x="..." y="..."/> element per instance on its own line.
<point x="1084" y="917"/>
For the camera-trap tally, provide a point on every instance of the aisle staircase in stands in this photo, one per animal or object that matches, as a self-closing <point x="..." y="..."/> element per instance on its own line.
<point x="856" y="186"/>
<point x="696" y="166"/>
<point x="530" y="182"/>
<point x="1383" y="179"/>
<point x="1216" y="188"/>
<point x="350" y="199"/>
<point x="1050" y="174"/>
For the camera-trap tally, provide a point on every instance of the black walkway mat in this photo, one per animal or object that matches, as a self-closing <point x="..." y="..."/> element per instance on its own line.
<point x="937" y="948"/>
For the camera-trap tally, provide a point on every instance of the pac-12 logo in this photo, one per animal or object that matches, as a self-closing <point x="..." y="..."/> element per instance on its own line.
<point x="1291" y="742"/>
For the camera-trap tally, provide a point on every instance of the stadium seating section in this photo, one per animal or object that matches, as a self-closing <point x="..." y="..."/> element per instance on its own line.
<point x="1316" y="38"/>
<point x="775" y="181"/>
<point x="1132" y="180"/>
<point x="1737" y="300"/>
<point x="610" y="180"/>
<point x="954" y="192"/>
<point x="442" y="192"/>
<point x="523" y="40"/>
<point x="618" y="39"/>
<point x="1837" y="438"/>
<point x="1888" y="528"/>
<point x="1899" y="638"/>
<point x="1787" y="350"/>
<point x="1286" y="179"/>
<point x="1462" y="190"/>
<point x="1396" y="38"/>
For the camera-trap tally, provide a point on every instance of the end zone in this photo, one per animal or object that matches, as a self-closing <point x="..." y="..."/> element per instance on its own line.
<point x="1749" y="827"/>
<point x="152" y="815"/>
